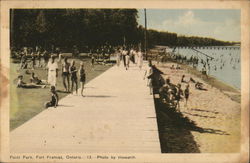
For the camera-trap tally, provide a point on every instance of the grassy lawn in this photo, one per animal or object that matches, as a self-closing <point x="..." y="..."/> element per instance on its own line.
<point x="26" y="103"/>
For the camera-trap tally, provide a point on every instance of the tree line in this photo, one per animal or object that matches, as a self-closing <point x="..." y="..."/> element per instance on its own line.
<point x="66" y="28"/>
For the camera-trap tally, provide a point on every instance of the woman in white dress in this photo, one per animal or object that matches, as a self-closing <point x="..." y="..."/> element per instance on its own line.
<point x="148" y="73"/>
<point x="118" y="57"/>
<point x="127" y="58"/>
<point x="135" y="56"/>
<point x="124" y="53"/>
<point x="52" y="71"/>
<point x="140" y="59"/>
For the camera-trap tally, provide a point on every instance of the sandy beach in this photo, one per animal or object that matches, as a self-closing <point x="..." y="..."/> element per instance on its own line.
<point x="210" y="122"/>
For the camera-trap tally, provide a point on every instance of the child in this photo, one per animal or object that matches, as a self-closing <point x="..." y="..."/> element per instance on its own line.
<point x="82" y="77"/>
<point x="54" y="98"/>
<point x="73" y="72"/>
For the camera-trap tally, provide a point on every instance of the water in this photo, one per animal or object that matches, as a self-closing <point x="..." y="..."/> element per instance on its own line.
<point x="226" y="65"/>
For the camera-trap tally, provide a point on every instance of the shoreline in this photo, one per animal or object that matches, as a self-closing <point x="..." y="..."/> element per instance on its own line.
<point x="210" y="119"/>
<point x="228" y="90"/>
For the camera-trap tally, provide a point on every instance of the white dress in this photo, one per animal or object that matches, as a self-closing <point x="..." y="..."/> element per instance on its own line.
<point x="118" y="58"/>
<point x="136" y="57"/>
<point x="127" y="59"/>
<point x="52" y="73"/>
<point x="140" y="59"/>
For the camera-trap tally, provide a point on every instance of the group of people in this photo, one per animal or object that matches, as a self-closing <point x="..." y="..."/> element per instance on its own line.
<point x="69" y="71"/>
<point x="30" y="59"/>
<point x="128" y="55"/>
<point x="170" y="94"/>
<point x="33" y="58"/>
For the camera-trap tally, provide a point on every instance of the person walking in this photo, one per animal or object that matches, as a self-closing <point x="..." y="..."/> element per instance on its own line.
<point x="118" y="58"/>
<point x="140" y="59"/>
<point x="92" y="62"/>
<point x="127" y="58"/>
<point x="148" y="74"/>
<point x="124" y="53"/>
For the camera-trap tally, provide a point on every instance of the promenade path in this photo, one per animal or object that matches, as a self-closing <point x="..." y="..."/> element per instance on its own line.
<point x="117" y="115"/>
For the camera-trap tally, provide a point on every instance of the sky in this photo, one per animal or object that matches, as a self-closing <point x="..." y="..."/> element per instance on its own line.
<point x="222" y="24"/>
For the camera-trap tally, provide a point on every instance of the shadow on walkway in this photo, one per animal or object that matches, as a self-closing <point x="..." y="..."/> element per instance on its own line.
<point x="98" y="96"/>
<point x="198" y="115"/>
<point x="215" y="112"/>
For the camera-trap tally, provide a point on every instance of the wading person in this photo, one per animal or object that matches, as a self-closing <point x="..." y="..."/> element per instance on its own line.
<point x="82" y="76"/>
<point x="52" y="71"/>
<point x="73" y="72"/>
<point x="54" y="98"/>
<point x="65" y="73"/>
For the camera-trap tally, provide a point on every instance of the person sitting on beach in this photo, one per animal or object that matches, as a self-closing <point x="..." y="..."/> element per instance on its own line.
<point x="36" y="80"/>
<point x="192" y="80"/>
<point x="182" y="79"/>
<point x="178" y="67"/>
<point x="199" y="86"/>
<point x="54" y="98"/>
<point x="172" y="67"/>
<point x="22" y="84"/>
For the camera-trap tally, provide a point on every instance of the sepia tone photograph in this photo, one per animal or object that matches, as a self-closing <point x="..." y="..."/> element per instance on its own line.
<point x="123" y="80"/>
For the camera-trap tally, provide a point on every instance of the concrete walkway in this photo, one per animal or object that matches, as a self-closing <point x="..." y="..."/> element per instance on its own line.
<point x="116" y="115"/>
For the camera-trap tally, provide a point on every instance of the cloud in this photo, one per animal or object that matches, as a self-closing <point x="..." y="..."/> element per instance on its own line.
<point x="189" y="24"/>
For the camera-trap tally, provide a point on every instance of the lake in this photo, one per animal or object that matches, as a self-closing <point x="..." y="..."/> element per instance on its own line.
<point x="225" y="65"/>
